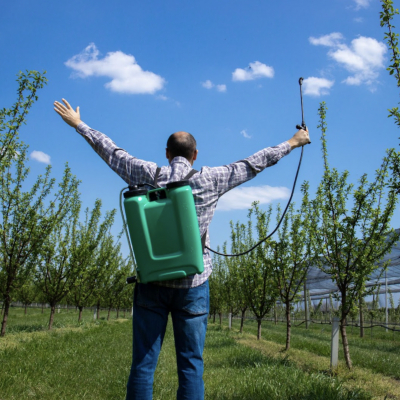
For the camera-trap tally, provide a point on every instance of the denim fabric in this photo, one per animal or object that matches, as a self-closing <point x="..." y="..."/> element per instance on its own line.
<point x="189" y="309"/>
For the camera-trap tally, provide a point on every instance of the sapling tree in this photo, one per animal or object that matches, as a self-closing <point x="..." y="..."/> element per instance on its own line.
<point x="54" y="272"/>
<point x="116" y="295"/>
<point x="109" y="261"/>
<point x="351" y="230"/>
<point x="238" y="298"/>
<point x="292" y="256"/>
<point x="86" y="256"/>
<point x="217" y="283"/>
<point x="256" y="268"/>
<point x="239" y="242"/>
<point x="125" y="297"/>
<point x="26" y="294"/>
<point x="232" y="288"/>
<point x="27" y="218"/>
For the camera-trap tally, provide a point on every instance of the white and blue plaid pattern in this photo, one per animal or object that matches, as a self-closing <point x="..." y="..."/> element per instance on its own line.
<point x="208" y="185"/>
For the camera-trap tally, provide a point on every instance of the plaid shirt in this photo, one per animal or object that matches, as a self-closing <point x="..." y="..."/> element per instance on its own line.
<point x="208" y="185"/>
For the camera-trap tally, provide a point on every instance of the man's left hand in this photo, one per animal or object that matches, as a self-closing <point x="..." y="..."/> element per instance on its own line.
<point x="67" y="113"/>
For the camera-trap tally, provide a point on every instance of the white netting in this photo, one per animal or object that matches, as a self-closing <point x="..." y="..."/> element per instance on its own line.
<point x="320" y="284"/>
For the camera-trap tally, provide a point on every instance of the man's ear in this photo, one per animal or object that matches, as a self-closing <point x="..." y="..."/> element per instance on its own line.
<point x="167" y="153"/>
<point x="195" y="155"/>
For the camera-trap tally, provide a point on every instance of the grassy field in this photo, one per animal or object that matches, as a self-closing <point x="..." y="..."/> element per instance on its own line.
<point x="91" y="360"/>
<point x="379" y="353"/>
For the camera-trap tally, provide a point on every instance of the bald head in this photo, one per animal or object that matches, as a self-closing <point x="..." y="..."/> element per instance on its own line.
<point x="182" y="144"/>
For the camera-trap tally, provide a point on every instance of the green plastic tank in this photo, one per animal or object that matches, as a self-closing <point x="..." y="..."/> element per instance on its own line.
<point x="164" y="232"/>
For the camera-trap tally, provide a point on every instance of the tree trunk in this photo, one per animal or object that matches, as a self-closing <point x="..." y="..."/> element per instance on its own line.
<point x="124" y="312"/>
<point x="345" y="343"/>
<point x="98" y="310"/>
<point x="117" y="312"/>
<point x="275" y="314"/>
<point x="108" y="315"/>
<point x="7" y="301"/>
<point x="80" y="313"/>
<point x="214" y="319"/>
<point x="220" y="318"/>
<point x="26" y="306"/>
<point x="372" y="323"/>
<point x="42" y="308"/>
<point x="361" y="319"/>
<point x="242" y="320"/>
<point x="259" y="329"/>
<point x="52" y="312"/>
<point x="288" y="325"/>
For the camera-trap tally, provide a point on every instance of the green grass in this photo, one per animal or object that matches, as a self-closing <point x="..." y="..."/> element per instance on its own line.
<point x="379" y="354"/>
<point x="234" y="371"/>
<point x="35" y="320"/>
<point x="92" y="361"/>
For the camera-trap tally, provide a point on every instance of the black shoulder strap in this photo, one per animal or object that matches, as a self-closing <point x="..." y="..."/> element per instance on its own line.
<point x="158" y="170"/>
<point x="203" y="240"/>
<point x="190" y="174"/>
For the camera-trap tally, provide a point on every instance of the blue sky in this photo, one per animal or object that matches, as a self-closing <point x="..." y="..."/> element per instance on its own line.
<point x="226" y="71"/>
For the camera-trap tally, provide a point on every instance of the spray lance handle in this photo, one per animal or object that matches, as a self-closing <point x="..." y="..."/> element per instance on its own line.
<point x="303" y="124"/>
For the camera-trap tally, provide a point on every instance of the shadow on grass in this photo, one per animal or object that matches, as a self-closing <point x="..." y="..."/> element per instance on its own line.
<point x="26" y="328"/>
<point x="242" y="358"/>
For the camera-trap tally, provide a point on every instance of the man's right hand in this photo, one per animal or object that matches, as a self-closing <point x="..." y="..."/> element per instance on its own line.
<point x="67" y="113"/>
<point x="300" y="138"/>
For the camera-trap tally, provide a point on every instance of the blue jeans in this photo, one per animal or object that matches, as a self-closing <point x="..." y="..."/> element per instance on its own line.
<point x="189" y="309"/>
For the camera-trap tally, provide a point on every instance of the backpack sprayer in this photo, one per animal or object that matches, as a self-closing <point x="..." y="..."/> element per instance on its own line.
<point x="164" y="229"/>
<point x="164" y="232"/>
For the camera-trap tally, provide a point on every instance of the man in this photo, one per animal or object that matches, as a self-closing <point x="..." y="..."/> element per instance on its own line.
<point x="186" y="299"/>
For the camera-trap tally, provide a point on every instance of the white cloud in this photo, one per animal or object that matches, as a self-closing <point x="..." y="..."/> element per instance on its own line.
<point x="317" y="86"/>
<point x="241" y="198"/>
<point x="245" y="134"/>
<point x="221" y="88"/>
<point x="125" y="73"/>
<point x="255" y="70"/>
<point x="362" y="4"/>
<point x="363" y="58"/>
<point x="207" y="84"/>
<point x="40" y="156"/>
<point x="333" y="39"/>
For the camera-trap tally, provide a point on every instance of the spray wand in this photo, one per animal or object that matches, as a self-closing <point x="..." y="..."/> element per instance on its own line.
<point x="304" y="127"/>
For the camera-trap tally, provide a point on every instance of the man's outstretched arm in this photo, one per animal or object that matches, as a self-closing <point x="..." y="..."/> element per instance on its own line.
<point x="131" y="169"/>
<point x="231" y="175"/>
